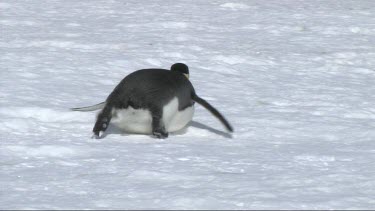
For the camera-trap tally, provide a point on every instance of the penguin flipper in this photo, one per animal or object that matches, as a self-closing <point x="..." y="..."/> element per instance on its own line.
<point x="213" y="110"/>
<point x="90" y="108"/>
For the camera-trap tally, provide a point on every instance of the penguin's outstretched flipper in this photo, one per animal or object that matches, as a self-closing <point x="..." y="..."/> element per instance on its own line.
<point x="213" y="110"/>
<point x="90" y="108"/>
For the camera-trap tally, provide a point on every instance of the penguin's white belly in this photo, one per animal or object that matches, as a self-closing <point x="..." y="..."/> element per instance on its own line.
<point x="133" y="120"/>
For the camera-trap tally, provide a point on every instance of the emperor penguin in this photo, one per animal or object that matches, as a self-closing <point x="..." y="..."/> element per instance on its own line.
<point x="151" y="101"/>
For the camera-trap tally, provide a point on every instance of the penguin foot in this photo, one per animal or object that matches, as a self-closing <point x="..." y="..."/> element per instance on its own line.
<point x="97" y="135"/>
<point x="160" y="134"/>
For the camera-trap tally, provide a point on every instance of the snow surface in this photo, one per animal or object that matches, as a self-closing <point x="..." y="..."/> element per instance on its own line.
<point x="295" y="78"/>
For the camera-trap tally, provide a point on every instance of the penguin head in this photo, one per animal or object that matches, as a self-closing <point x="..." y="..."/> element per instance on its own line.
<point x="182" y="68"/>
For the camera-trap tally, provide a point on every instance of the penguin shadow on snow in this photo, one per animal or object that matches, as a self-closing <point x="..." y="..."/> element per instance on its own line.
<point x="213" y="130"/>
<point x="112" y="129"/>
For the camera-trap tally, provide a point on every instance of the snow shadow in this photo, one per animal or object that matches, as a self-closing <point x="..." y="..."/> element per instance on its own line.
<point x="213" y="130"/>
<point x="112" y="129"/>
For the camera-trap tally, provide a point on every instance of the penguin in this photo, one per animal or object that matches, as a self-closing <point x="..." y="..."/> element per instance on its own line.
<point x="151" y="101"/>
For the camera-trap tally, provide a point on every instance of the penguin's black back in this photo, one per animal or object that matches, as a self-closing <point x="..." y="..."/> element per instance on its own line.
<point x="150" y="88"/>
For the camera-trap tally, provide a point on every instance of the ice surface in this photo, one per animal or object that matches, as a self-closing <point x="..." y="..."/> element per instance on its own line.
<point x="295" y="78"/>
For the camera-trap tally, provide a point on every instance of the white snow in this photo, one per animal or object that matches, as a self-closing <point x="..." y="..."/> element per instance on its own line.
<point x="235" y="6"/>
<point x="295" y="78"/>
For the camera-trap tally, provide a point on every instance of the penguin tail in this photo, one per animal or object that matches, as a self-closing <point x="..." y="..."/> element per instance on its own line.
<point x="90" y="108"/>
<point x="213" y="110"/>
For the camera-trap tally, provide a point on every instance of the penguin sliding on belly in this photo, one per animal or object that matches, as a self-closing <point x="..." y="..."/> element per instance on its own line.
<point x="151" y="101"/>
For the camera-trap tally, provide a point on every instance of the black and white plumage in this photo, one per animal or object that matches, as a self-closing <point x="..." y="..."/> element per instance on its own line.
<point x="151" y="101"/>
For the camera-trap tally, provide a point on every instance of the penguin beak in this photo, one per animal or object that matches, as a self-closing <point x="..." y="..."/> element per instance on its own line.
<point x="186" y="75"/>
